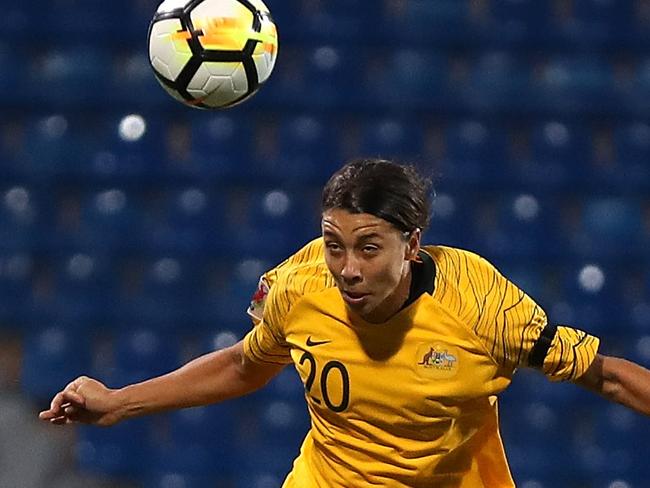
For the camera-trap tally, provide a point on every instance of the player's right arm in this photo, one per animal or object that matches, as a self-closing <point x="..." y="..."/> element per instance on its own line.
<point x="212" y="378"/>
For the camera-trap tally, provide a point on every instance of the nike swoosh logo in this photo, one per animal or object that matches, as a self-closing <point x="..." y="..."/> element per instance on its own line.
<point x="311" y="342"/>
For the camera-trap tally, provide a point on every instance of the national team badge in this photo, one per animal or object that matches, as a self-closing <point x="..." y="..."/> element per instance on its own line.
<point x="437" y="360"/>
<point x="256" y="307"/>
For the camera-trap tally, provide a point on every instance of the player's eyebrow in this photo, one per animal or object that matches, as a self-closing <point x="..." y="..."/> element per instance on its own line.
<point x="329" y="233"/>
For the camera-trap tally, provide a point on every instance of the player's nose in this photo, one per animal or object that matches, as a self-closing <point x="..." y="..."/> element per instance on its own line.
<point x="351" y="271"/>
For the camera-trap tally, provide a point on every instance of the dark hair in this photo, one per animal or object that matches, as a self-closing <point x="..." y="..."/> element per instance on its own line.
<point x="393" y="192"/>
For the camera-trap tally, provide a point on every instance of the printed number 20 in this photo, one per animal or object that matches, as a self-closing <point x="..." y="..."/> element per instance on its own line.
<point x="329" y="366"/>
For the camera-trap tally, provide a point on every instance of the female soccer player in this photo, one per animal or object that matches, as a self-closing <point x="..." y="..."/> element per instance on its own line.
<point x="402" y="349"/>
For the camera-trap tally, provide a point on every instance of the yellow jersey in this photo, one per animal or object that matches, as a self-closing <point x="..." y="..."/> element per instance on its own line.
<point x="410" y="402"/>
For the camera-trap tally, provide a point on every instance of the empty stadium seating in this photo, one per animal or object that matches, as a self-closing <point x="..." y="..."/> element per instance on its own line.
<point x="133" y="230"/>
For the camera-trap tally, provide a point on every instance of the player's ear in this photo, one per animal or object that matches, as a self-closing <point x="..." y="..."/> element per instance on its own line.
<point x="413" y="245"/>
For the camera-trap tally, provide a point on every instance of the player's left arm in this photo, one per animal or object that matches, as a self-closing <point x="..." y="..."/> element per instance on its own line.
<point x="620" y="381"/>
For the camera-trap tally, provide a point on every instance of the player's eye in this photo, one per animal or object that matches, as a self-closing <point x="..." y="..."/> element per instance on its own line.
<point x="333" y="247"/>
<point x="370" y="249"/>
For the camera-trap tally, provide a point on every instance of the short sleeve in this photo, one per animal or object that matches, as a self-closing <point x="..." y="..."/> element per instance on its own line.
<point x="262" y="345"/>
<point x="509" y="323"/>
<point x="266" y="341"/>
<point x="506" y="320"/>
<point x="572" y="351"/>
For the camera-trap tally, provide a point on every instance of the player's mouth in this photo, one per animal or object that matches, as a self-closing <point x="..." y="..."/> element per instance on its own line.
<point x="354" y="298"/>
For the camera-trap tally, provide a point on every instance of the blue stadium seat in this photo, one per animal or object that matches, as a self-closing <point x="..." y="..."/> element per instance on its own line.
<point x="635" y="95"/>
<point x="109" y="220"/>
<point x="598" y="21"/>
<point x="637" y="346"/>
<point x="520" y="20"/>
<point x="406" y="79"/>
<point x="589" y="299"/>
<point x="560" y="152"/>
<point x="132" y="82"/>
<point x="286" y="88"/>
<point x="530" y="385"/>
<point x="259" y="477"/>
<point x="528" y="429"/>
<point x="287" y="14"/>
<point x="85" y="289"/>
<point x="123" y="451"/>
<point x="607" y="222"/>
<point x="162" y="294"/>
<point x="617" y="426"/>
<point x="498" y="80"/>
<point x="205" y="426"/>
<point x="474" y="151"/>
<point x="338" y="19"/>
<point x="430" y="20"/>
<point x="15" y="24"/>
<point x="218" y="337"/>
<point x="135" y="17"/>
<point x="447" y="211"/>
<point x="53" y="356"/>
<point x="24" y="218"/>
<point x="627" y="481"/>
<point x="524" y="222"/>
<point x="12" y="70"/>
<point x="331" y="77"/>
<point x="222" y="303"/>
<point x="131" y="146"/>
<point x="189" y="223"/>
<point x="305" y="152"/>
<point x="54" y="145"/>
<point x="79" y="21"/>
<point x="570" y="84"/>
<point x="631" y="152"/>
<point x="200" y="444"/>
<point x="265" y="461"/>
<point x="606" y="461"/>
<point x="16" y="273"/>
<point x="392" y="138"/>
<point x="276" y="222"/>
<point x="178" y="479"/>
<point x="274" y="430"/>
<point x="222" y="146"/>
<point x="68" y="77"/>
<point x="140" y="353"/>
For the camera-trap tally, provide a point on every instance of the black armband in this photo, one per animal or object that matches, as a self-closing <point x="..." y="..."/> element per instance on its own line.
<point x="541" y="347"/>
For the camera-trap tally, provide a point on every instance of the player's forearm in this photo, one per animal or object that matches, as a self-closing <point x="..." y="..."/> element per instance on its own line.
<point x="211" y="378"/>
<point x="621" y="381"/>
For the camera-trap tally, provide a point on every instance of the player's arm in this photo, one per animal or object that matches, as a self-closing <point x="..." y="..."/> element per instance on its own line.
<point x="619" y="380"/>
<point x="214" y="377"/>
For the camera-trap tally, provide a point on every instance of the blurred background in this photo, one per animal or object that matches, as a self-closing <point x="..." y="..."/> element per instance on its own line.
<point x="133" y="230"/>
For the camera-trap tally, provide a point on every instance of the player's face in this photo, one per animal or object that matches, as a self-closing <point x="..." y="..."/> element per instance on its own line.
<point x="370" y="261"/>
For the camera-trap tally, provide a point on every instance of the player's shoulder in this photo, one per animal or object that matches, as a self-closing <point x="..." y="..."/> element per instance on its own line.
<point x="303" y="262"/>
<point x="448" y="259"/>
<point x="460" y="269"/>
<point x="302" y="273"/>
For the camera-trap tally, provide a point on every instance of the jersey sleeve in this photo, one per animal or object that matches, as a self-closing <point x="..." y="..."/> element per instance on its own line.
<point x="509" y="324"/>
<point x="266" y="342"/>
<point x="277" y="291"/>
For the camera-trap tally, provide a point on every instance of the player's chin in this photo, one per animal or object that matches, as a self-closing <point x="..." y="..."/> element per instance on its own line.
<point x="362" y="308"/>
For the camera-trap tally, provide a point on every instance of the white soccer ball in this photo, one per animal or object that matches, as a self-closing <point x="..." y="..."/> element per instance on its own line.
<point x="212" y="53"/>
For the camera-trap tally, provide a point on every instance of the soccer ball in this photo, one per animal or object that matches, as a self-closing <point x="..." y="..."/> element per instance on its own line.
<point x="212" y="53"/>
